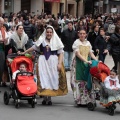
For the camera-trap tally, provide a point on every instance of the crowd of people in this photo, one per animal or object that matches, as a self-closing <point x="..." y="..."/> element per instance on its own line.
<point x="64" y="42"/>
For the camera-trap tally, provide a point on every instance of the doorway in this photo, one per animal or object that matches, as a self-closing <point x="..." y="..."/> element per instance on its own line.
<point x="8" y="6"/>
<point x="71" y="9"/>
<point x="61" y="8"/>
<point x="25" y="5"/>
<point x="47" y="7"/>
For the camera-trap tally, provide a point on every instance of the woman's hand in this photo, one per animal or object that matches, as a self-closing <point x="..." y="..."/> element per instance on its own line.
<point x="105" y="51"/>
<point x="97" y="50"/>
<point x="107" y="38"/>
<point x="20" y="53"/>
<point x="59" y="67"/>
<point x="89" y="62"/>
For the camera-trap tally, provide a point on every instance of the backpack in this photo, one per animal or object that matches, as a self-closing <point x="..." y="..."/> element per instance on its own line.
<point x="111" y="28"/>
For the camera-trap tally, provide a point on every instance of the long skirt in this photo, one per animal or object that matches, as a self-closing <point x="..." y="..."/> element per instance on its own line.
<point x="50" y="82"/>
<point x="80" y="92"/>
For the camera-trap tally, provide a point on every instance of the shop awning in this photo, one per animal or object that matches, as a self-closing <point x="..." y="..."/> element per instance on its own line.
<point x="52" y="0"/>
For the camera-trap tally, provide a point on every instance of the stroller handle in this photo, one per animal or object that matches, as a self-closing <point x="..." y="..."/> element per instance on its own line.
<point x="24" y="73"/>
<point x="13" y="55"/>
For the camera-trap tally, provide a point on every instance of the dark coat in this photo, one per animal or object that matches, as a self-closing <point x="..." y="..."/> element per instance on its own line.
<point x="91" y="38"/>
<point x="100" y="44"/>
<point x="114" y="45"/>
<point x="29" y="29"/>
<point x="68" y="37"/>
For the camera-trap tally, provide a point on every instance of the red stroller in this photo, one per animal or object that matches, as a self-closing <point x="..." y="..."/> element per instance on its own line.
<point x="24" y="87"/>
<point x="99" y="73"/>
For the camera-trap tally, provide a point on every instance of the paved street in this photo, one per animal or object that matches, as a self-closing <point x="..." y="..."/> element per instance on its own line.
<point x="63" y="108"/>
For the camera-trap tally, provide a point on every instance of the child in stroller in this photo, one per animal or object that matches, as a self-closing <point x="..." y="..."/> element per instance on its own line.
<point x="23" y="87"/>
<point x="108" y="83"/>
<point x="22" y="68"/>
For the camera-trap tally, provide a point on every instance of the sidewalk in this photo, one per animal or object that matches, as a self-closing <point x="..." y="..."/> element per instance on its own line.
<point x="108" y="62"/>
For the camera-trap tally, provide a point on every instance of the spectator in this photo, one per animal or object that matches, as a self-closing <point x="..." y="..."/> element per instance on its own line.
<point x="30" y="31"/>
<point x="68" y="37"/>
<point x="57" y="29"/>
<point x="92" y="36"/>
<point x="114" y="46"/>
<point x="101" y="45"/>
<point x="3" y="41"/>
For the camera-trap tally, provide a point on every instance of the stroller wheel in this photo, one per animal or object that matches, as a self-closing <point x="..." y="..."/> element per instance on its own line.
<point x="91" y="106"/>
<point x="17" y="105"/>
<point x="33" y="104"/>
<point x="30" y="101"/>
<point x="6" y="98"/>
<point x="111" y="111"/>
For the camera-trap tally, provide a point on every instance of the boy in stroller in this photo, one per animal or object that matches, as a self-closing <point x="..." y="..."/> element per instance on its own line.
<point x="22" y="68"/>
<point x="24" y="87"/>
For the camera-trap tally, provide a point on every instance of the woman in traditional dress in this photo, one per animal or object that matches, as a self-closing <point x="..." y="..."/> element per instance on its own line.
<point x="19" y="40"/>
<point x="51" y="73"/>
<point x="80" y="77"/>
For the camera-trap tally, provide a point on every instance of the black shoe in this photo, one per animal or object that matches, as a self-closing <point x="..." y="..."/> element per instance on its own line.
<point x="66" y="69"/>
<point x="43" y="102"/>
<point x="69" y="69"/>
<point x="49" y="102"/>
<point x="4" y="84"/>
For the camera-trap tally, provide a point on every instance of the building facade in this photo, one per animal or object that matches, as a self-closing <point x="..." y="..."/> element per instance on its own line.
<point x="101" y="6"/>
<point x="106" y="6"/>
<point x="39" y="6"/>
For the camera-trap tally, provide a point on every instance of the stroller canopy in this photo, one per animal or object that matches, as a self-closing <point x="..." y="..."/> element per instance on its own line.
<point x="22" y="59"/>
<point x="101" y="71"/>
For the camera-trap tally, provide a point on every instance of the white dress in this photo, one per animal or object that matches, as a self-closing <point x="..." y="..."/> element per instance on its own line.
<point x="48" y="72"/>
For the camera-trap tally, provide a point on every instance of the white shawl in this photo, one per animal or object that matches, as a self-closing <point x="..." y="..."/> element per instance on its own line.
<point x="20" y="43"/>
<point x="55" y="42"/>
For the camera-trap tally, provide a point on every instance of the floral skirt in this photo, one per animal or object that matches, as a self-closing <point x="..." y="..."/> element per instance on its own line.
<point x="81" y="94"/>
<point x="79" y="87"/>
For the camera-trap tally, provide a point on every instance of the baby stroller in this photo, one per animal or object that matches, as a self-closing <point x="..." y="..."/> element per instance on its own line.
<point x="24" y="87"/>
<point x="99" y="73"/>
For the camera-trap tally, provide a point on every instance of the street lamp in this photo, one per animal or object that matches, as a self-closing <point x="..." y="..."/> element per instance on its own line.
<point x="77" y="1"/>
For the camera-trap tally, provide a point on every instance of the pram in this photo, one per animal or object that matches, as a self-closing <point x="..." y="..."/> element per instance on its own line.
<point x="24" y="87"/>
<point x="99" y="73"/>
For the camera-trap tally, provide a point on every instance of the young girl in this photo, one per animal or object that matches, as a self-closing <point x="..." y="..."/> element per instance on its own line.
<point x="112" y="89"/>
<point x="111" y="82"/>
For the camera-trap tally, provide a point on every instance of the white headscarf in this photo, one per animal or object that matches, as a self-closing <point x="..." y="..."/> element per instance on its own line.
<point x="55" y="42"/>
